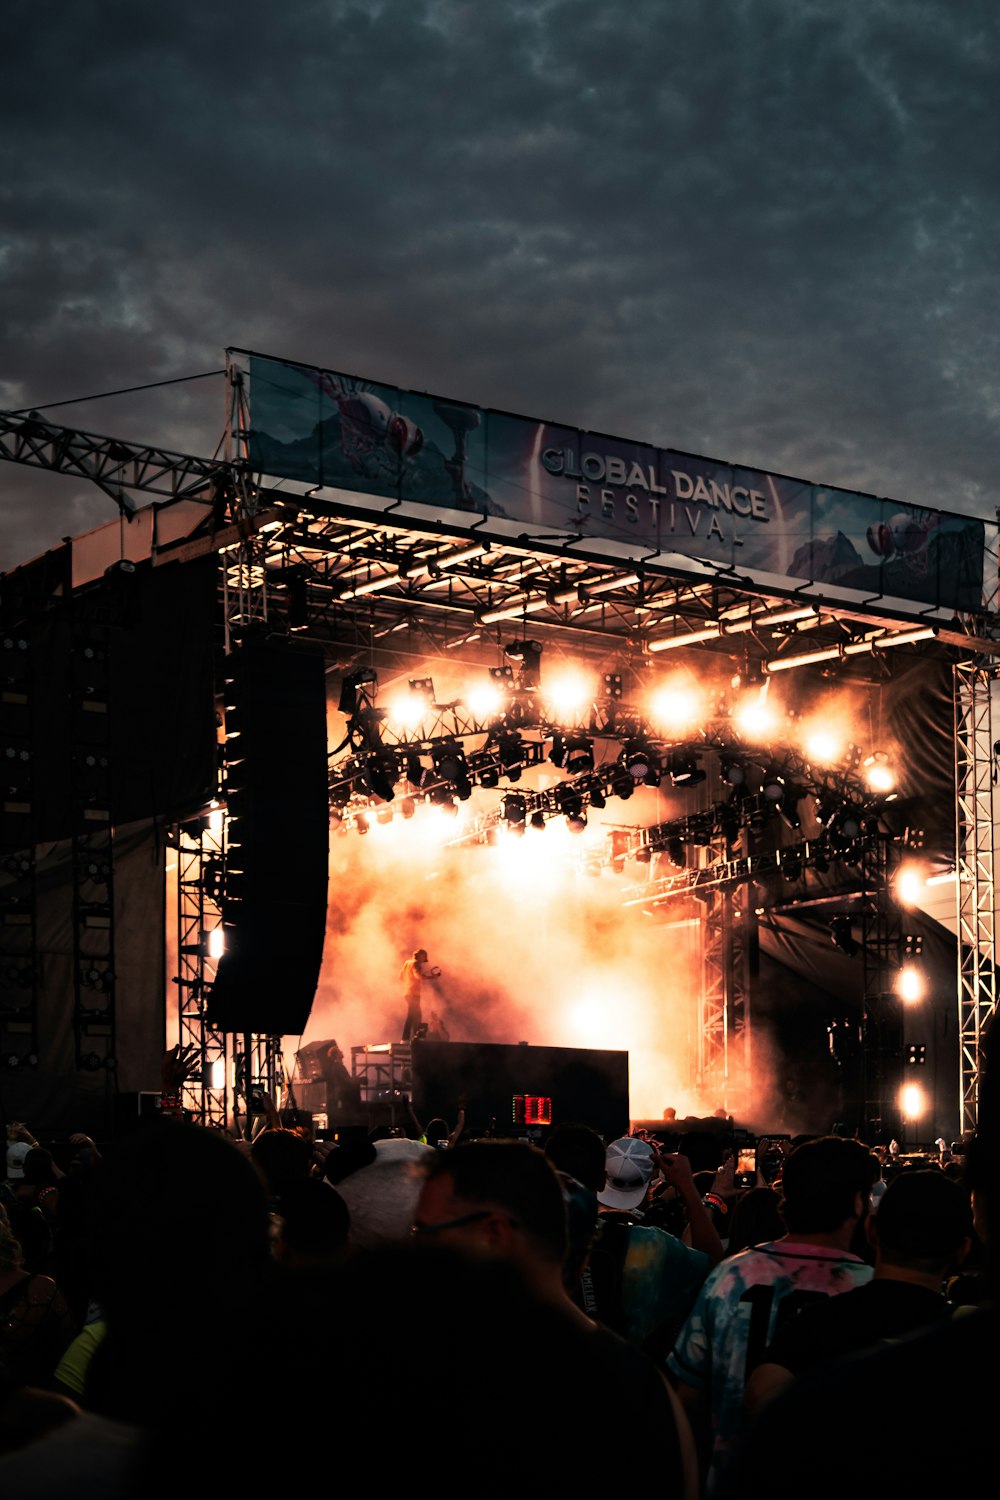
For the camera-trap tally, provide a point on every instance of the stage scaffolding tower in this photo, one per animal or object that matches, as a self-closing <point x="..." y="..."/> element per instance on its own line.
<point x="975" y="777"/>
<point x="199" y="873"/>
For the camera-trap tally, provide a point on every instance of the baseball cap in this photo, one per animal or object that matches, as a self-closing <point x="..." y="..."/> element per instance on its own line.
<point x="16" y="1152"/>
<point x="629" y="1168"/>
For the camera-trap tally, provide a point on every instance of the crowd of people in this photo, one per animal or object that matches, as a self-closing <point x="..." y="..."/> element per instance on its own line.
<point x="491" y="1313"/>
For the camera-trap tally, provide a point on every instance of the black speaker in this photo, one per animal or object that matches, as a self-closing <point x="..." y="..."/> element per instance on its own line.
<point x="277" y="838"/>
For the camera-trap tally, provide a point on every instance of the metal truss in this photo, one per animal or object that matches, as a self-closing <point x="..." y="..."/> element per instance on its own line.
<point x="389" y="591"/>
<point x="94" y="978"/>
<point x="724" y="1020"/>
<point x="19" y="960"/>
<point x="881" y="956"/>
<point x="975" y="783"/>
<point x="199" y="844"/>
<point x="116" y="467"/>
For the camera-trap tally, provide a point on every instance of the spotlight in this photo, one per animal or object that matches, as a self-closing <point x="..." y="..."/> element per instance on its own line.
<point x="514" y="809"/>
<point x="622" y="784"/>
<point x="643" y="854"/>
<point x="788" y="809"/>
<point x="674" y="708"/>
<point x="407" y="807"/>
<point x="528" y="655"/>
<point x="878" y="772"/>
<point x="511" y="753"/>
<point x="502" y="678"/>
<point x="384" y="816"/>
<point x="576" y="822"/>
<point x="909" y="884"/>
<point x="675" y="851"/>
<point x="486" y="700"/>
<point x="916" y="1055"/>
<point x="773" y="786"/>
<point x="538" y="820"/>
<point x="910" y="984"/>
<point x="637" y="759"/>
<point x="841" y="936"/>
<point x="755" y="717"/>
<point x="791" y="864"/>
<point x="597" y="797"/>
<point x="845" y="824"/>
<point x="684" y="769"/>
<point x="567" y="695"/>
<point x="613" y="684"/>
<point x="380" y="774"/>
<point x="734" y="773"/>
<point x="361" y="823"/>
<point x="489" y="776"/>
<point x="912" y="1101"/>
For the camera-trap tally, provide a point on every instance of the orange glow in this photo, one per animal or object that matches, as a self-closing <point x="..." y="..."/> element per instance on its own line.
<point x="823" y="746"/>
<point x="910" y="984"/>
<point x="675" y="706"/>
<point x="216" y="943"/>
<point x="484" y="700"/>
<point x="878" y="773"/>
<point x="909" y="884"/>
<point x="756" y="718"/>
<point x="912" y="1101"/>
<point x="569" y="693"/>
<point x="407" y="710"/>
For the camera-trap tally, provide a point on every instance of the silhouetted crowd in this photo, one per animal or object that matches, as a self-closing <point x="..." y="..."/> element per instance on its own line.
<point x="180" y="1309"/>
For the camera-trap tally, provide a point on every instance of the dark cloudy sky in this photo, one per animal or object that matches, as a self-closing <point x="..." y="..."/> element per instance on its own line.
<point x="763" y="230"/>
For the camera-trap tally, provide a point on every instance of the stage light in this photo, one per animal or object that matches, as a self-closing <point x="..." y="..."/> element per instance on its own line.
<point x="407" y="807"/>
<point x="791" y="864"/>
<point x="637" y="758"/>
<point x="613" y="684"/>
<point x="643" y="854"/>
<point x="597" y="797"/>
<point x="674" y="708"/>
<point x="216" y="944"/>
<point x="683" y="769"/>
<point x="511" y="753"/>
<point x="576" y="822"/>
<point x="912" y="1101"/>
<point x="567" y="695"/>
<point x="451" y="765"/>
<point x="845" y="823"/>
<point x="489" y="776"/>
<point x="878" y="773"/>
<point x="361" y="823"/>
<point x="910" y="984"/>
<point x="528" y="656"/>
<point x="788" y="809"/>
<point x="909" y="884"/>
<point x="538" y="820"/>
<point x="484" y="701"/>
<point x="449" y="807"/>
<point x="823" y="747"/>
<point x="622" y="784"/>
<point x="773" y="786"/>
<point x="754" y="717"/>
<point x="380" y="774"/>
<point x="502" y="679"/>
<point x="384" y="816"/>
<point x="916" y="1055"/>
<point x="841" y="936"/>
<point x="414" y="771"/>
<point x="514" y="809"/>
<point x="675" y="851"/>
<point x="734" y="773"/>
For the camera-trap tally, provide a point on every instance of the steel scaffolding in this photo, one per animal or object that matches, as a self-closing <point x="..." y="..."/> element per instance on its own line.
<point x="975" y="779"/>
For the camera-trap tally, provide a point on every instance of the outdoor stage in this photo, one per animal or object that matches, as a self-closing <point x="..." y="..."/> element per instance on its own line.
<point x="642" y="778"/>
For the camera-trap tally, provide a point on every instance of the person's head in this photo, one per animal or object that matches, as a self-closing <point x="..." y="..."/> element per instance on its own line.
<point x="495" y="1197"/>
<point x="756" y="1219"/>
<point x="578" y="1151"/>
<point x="924" y="1223"/>
<point x="314" y="1225"/>
<point x="825" y="1185"/>
<point x="39" y="1168"/>
<point x="281" y="1157"/>
<point x="421" y="955"/>
<point x="629" y="1168"/>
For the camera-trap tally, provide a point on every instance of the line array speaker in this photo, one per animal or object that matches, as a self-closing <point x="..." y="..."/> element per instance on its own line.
<point x="277" y="838"/>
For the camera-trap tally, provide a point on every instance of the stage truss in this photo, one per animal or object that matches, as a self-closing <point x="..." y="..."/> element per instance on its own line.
<point x="383" y="590"/>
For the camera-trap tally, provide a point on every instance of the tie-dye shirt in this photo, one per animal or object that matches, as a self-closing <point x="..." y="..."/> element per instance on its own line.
<point x="738" y="1311"/>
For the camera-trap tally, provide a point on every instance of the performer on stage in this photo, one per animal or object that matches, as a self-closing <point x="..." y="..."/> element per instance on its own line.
<point x="413" y="973"/>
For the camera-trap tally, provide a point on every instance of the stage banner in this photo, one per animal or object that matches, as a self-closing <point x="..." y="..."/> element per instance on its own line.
<point x="330" y="429"/>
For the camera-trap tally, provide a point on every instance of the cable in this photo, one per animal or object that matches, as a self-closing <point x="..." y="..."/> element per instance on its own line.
<point x="125" y="391"/>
